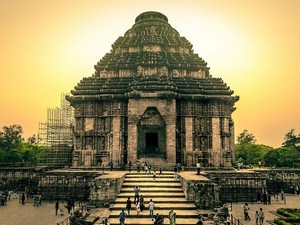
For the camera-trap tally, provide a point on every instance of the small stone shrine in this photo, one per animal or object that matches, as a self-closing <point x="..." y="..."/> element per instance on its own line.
<point x="152" y="98"/>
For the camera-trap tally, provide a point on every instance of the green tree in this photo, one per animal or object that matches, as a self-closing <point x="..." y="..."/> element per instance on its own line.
<point x="247" y="151"/>
<point x="245" y="138"/>
<point x="11" y="137"/>
<point x="291" y="139"/>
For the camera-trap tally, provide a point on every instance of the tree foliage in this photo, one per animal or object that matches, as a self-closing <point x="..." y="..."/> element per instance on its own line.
<point x="11" y="137"/>
<point x="291" y="139"/>
<point x="245" y="138"/>
<point x="13" y="149"/>
<point x="288" y="155"/>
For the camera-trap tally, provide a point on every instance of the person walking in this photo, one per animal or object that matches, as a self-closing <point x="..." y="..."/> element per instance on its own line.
<point x="198" y="165"/>
<point x="56" y="207"/>
<point x="246" y="212"/>
<point x="172" y="217"/>
<point x="62" y="208"/>
<point x="261" y="216"/>
<point x="138" y="209"/>
<point x="23" y="199"/>
<point x="151" y="208"/>
<point x="256" y="217"/>
<point x="130" y="165"/>
<point x="199" y="222"/>
<point x="122" y="217"/>
<point x="175" y="172"/>
<point x="128" y="206"/>
<point x="136" y="194"/>
<point x="154" y="174"/>
<point x="178" y="167"/>
<point x="142" y="203"/>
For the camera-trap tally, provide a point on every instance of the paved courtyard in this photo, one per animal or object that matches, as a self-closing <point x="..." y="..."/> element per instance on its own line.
<point x="292" y="201"/>
<point x="15" y="213"/>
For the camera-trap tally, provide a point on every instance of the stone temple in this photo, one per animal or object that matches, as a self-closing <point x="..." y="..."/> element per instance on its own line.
<point x="152" y="98"/>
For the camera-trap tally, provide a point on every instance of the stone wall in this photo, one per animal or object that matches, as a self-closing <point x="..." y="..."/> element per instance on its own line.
<point x="204" y="193"/>
<point x="239" y="186"/>
<point x="104" y="190"/>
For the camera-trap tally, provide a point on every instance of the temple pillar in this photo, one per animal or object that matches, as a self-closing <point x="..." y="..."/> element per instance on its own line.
<point x="116" y="151"/>
<point x="216" y="142"/>
<point x="189" y="140"/>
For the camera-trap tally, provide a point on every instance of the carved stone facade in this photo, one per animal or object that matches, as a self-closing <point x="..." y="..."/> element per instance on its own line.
<point x="153" y="98"/>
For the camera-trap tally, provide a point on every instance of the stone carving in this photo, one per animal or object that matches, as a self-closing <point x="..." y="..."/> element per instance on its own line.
<point x="199" y="73"/>
<point x="175" y="73"/>
<point x="164" y="71"/>
<point x="103" y="73"/>
<point x="140" y="71"/>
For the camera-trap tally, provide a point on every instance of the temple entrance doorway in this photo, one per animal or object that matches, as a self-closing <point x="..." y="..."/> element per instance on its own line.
<point x="151" y="143"/>
<point x="151" y="135"/>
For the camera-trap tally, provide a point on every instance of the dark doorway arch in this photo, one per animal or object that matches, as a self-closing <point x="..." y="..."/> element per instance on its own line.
<point x="151" y="135"/>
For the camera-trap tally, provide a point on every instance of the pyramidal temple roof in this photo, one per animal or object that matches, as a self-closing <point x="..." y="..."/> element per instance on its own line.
<point x="151" y="57"/>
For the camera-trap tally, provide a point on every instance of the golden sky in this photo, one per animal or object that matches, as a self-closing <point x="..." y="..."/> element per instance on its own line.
<point x="47" y="47"/>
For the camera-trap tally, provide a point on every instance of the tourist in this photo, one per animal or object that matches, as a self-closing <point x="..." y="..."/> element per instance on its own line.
<point x="160" y="172"/>
<point x="198" y="165"/>
<point x="175" y="172"/>
<point x="142" y="203"/>
<point x="62" y="208"/>
<point x="199" y="222"/>
<point x="36" y="200"/>
<point x="40" y="199"/>
<point x="246" y="212"/>
<point x="282" y="194"/>
<point x="111" y="165"/>
<point x="69" y="206"/>
<point x="149" y="168"/>
<point x="23" y="198"/>
<point x="265" y="198"/>
<point x="269" y="198"/>
<point x="261" y="216"/>
<point x="104" y="222"/>
<point x="9" y="194"/>
<point x="138" y="167"/>
<point x="122" y="217"/>
<point x="154" y="174"/>
<point x="178" y="167"/>
<point x="159" y="219"/>
<point x="151" y="208"/>
<point x="130" y="165"/>
<point x="56" y="207"/>
<point x="258" y="199"/>
<point x="256" y="217"/>
<point x="128" y="205"/>
<point x="136" y="193"/>
<point x="15" y="194"/>
<point x="138" y="209"/>
<point x="172" y="217"/>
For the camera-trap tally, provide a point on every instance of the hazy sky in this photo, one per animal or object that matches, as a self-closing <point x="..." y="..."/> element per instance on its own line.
<point x="47" y="47"/>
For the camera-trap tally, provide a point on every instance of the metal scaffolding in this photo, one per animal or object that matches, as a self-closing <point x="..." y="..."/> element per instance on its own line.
<point x="57" y="134"/>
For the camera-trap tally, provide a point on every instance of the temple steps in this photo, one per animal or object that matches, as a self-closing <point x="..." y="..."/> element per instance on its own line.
<point x="148" y="221"/>
<point x="153" y="189"/>
<point x="145" y="214"/>
<point x="166" y="193"/>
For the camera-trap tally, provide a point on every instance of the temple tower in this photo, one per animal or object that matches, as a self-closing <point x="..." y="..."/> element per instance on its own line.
<point x="152" y="98"/>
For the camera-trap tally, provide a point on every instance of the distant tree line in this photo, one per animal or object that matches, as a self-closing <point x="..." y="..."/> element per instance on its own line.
<point x="15" y="150"/>
<point x="249" y="152"/>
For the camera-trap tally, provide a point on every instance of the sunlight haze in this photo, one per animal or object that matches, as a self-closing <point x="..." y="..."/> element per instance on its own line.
<point x="47" y="47"/>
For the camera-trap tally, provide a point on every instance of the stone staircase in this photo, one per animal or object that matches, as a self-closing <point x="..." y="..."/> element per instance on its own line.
<point x="166" y="194"/>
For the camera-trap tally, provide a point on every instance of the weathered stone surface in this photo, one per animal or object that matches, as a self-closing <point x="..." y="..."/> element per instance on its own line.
<point x="151" y="96"/>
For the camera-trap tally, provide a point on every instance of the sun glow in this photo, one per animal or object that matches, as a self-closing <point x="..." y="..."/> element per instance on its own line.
<point x="48" y="46"/>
